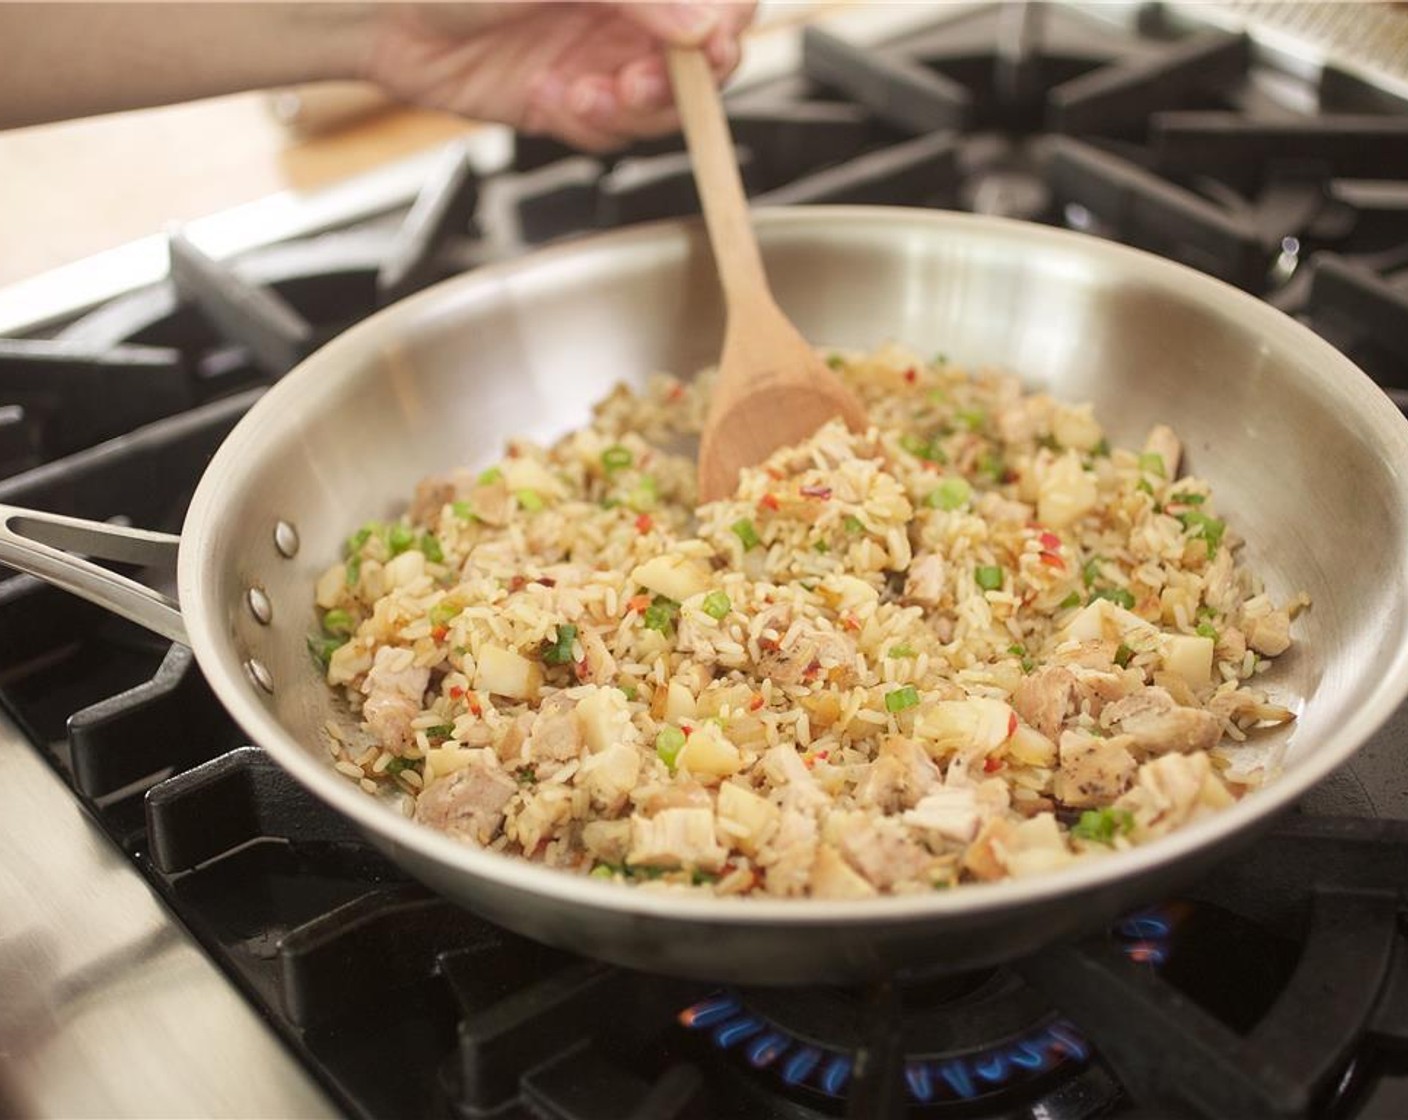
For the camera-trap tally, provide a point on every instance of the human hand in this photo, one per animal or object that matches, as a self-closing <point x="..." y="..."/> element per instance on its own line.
<point x="590" y="74"/>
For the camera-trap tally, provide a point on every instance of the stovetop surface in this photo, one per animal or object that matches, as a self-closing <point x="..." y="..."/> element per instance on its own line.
<point x="1276" y="987"/>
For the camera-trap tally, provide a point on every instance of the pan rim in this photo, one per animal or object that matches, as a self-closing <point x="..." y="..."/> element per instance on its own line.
<point x="217" y="654"/>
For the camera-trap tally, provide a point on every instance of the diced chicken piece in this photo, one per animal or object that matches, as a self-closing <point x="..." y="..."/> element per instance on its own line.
<point x="1076" y="426"/>
<point x="1044" y="698"/>
<point x="925" y="582"/>
<point x="1176" y="687"/>
<point x="1190" y="656"/>
<point x="1157" y="725"/>
<point x="468" y="803"/>
<point x="1246" y="709"/>
<point x="348" y="662"/>
<point x="676" y="838"/>
<point x="677" y="795"/>
<point x="432" y="495"/>
<point x="813" y="655"/>
<point x="790" y="855"/>
<point x="1162" y="442"/>
<point x="608" y="841"/>
<point x="985" y="856"/>
<point x="505" y="673"/>
<point x="882" y="850"/>
<point x="1066" y="492"/>
<point x="708" y="753"/>
<point x="601" y="666"/>
<point x="491" y="502"/>
<point x="1093" y="771"/>
<point x="951" y="813"/>
<point x="745" y="818"/>
<point x="675" y="577"/>
<point x="1172" y="790"/>
<point x="833" y="877"/>
<point x="556" y="735"/>
<point x="784" y="768"/>
<point x="1095" y="688"/>
<point x="395" y="689"/>
<point x="510" y="747"/>
<point x="1220" y="583"/>
<point x="610" y="774"/>
<point x="1002" y="510"/>
<point x="900" y="775"/>
<point x="1093" y="653"/>
<point x="1269" y="634"/>
<point x="973" y="727"/>
<point x="606" y="718"/>
<point x="1231" y="645"/>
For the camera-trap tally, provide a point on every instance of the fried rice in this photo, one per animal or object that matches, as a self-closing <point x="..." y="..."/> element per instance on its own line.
<point x="973" y="642"/>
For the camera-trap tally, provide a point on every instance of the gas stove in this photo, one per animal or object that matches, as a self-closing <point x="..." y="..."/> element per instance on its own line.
<point x="184" y="930"/>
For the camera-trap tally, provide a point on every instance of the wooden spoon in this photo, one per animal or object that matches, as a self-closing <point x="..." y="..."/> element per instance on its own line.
<point x="773" y="388"/>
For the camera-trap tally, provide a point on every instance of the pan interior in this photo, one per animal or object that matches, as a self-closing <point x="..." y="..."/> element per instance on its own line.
<point x="1306" y="457"/>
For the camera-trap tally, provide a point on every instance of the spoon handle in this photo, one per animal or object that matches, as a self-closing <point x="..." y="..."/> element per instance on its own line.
<point x="716" y="175"/>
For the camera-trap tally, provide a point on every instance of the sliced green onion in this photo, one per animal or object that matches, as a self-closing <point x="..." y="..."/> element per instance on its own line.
<point x="644" y="495"/>
<point x="1102" y="449"/>
<point x="354" y="570"/>
<point x="322" y="648"/>
<point x="489" y="477"/>
<point x="1153" y="463"/>
<point x="661" y="614"/>
<point x="1119" y="595"/>
<point x="950" y="494"/>
<point x="1071" y="600"/>
<point x="699" y="878"/>
<point x="971" y="418"/>
<point x="989" y="576"/>
<point x="901" y="651"/>
<point x="854" y="525"/>
<point x="835" y="361"/>
<point x="941" y="359"/>
<point x="916" y="446"/>
<point x="717" y="605"/>
<point x="1103" y="825"/>
<point x="821" y="547"/>
<point x="400" y="765"/>
<point x="1143" y="486"/>
<point x="360" y="537"/>
<point x="529" y="500"/>
<point x="1091" y="572"/>
<point x="399" y="538"/>
<point x="441" y="732"/>
<point x="746" y="533"/>
<point x="559" y="650"/>
<point x="668" y="745"/>
<point x="630" y="691"/>
<point x="463" y="512"/>
<point x="602" y="871"/>
<point x="526" y="776"/>
<point x="990" y="463"/>
<point x="339" y="623"/>
<point x="1200" y="524"/>
<point x="443" y="612"/>
<point x="1189" y="499"/>
<point x="616" y="458"/>
<point x="1123" y="656"/>
<point x="430" y="547"/>
<point x="1206" y="630"/>
<point x="902" y="698"/>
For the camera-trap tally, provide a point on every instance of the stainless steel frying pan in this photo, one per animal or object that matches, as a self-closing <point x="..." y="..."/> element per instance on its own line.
<point x="1309" y="459"/>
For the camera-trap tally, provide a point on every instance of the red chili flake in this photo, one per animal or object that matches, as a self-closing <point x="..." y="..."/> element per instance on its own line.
<point x="643" y="523"/>
<point x="755" y="703"/>
<point x="1011" y="724"/>
<point x="822" y="492"/>
<point x="517" y="583"/>
<point x="812" y="670"/>
<point x="911" y="375"/>
<point x="676" y="393"/>
<point x="850" y="622"/>
<point x="768" y="644"/>
<point x="545" y="581"/>
<point x="439" y="633"/>
<point x="475" y="706"/>
<point x="1010" y="475"/>
<point x="808" y="761"/>
<point x="580" y="668"/>
<point x="769" y="501"/>
<point x="637" y="602"/>
<point x="456" y="692"/>
<point x="687" y="730"/>
<point x="1050" y="541"/>
<point x="1051" y="560"/>
<point x="991" y="764"/>
<point x="775" y="474"/>
<point x="822" y="756"/>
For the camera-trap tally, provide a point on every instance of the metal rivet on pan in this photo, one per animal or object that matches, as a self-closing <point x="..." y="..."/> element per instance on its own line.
<point x="259" y="606"/>
<point x="254" y="669"/>
<point x="286" y="539"/>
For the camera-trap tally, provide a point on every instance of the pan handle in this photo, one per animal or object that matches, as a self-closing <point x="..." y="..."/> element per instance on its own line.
<point x="44" y="545"/>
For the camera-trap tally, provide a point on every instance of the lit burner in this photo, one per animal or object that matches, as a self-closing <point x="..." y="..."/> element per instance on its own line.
<point x="1025" y="1054"/>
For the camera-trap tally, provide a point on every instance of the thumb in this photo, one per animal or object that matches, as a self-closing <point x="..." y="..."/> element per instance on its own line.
<point x="680" y="24"/>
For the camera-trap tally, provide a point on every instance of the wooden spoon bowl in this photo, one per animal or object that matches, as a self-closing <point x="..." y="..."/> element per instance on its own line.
<point x="773" y="389"/>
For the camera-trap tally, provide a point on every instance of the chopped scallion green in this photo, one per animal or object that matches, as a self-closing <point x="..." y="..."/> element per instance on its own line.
<point x="854" y="525"/>
<point x="661" y="614"/>
<point x="529" y="500"/>
<point x="489" y="477"/>
<point x="951" y="494"/>
<point x="971" y="418"/>
<point x="1200" y="524"/>
<point x="901" y="651"/>
<point x="1091" y="572"/>
<point x="1071" y="600"/>
<point x="616" y="458"/>
<point x="1151" y="462"/>
<point x="322" y="648"/>
<point x="717" y="605"/>
<point x="559" y="650"/>
<point x="399" y="538"/>
<point x="899" y="699"/>
<point x="339" y="623"/>
<point x="1123" y="656"/>
<point x="1118" y="595"/>
<point x="668" y="745"/>
<point x="988" y="576"/>
<point x="1206" y="630"/>
<point x="746" y="533"/>
<point x="1103" y="825"/>
<point x="463" y="512"/>
<point x="835" y="361"/>
<point x="430" y="546"/>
